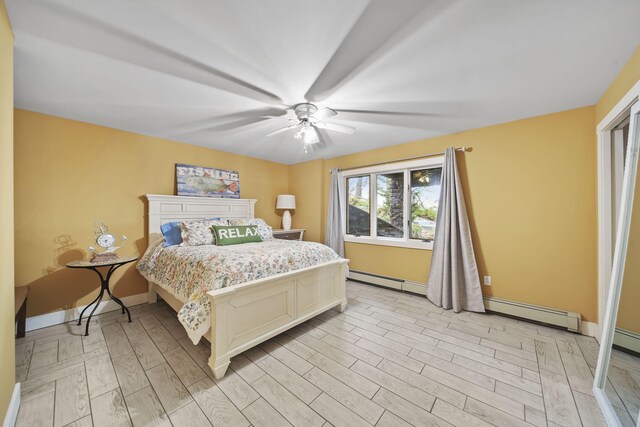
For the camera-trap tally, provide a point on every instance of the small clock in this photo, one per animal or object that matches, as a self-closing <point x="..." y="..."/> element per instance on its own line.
<point x="105" y="240"/>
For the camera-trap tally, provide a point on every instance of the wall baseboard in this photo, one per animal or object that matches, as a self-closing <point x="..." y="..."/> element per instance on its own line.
<point x="388" y="282"/>
<point x="63" y="316"/>
<point x="12" y="411"/>
<point x="415" y="287"/>
<point x="627" y="339"/>
<point x="564" y="319"/>
<point x="589" y="329"/>
<point x="571" y="321"/>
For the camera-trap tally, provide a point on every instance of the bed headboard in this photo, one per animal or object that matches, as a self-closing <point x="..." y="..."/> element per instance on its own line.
<point x="163" y="209"/>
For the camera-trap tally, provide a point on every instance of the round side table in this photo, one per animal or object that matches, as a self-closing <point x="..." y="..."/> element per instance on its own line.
<point x="113" y="265"/>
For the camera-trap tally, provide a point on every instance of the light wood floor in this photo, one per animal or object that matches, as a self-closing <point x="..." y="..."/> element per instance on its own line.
<point x="391" y="359"/>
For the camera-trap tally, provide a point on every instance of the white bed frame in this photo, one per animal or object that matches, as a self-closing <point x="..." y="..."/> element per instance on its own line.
<point x="245" y="315"/>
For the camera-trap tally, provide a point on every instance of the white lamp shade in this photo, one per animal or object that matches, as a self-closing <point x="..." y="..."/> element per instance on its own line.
<point x="286" y="201"/>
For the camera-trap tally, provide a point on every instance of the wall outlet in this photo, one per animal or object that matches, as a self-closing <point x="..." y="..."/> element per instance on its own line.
<point x="487" y="280"/>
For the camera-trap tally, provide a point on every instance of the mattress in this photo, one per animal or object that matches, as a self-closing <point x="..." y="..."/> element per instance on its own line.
<point x="189" y="272"/>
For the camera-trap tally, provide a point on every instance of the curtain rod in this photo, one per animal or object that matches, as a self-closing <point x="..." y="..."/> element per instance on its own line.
<point x="424" y="156"/>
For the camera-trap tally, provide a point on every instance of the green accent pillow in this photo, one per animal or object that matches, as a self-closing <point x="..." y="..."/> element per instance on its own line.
<point x="235" y="234"/>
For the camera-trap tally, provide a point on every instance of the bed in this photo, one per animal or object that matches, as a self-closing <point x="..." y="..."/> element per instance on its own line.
<point x="244" y="315"/>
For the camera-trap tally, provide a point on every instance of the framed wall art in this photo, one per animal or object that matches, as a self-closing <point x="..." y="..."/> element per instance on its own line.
<point x="199" y="181"/>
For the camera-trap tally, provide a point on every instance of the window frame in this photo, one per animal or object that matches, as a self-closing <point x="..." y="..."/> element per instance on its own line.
<point x="373" y="171"/>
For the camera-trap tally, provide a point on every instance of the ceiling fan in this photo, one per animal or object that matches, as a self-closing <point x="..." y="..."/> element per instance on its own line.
<point x="309" y="120"/>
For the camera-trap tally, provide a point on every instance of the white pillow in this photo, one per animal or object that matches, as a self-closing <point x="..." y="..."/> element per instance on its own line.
<point x="265" y="231"/>
<point x="196" y="233"/>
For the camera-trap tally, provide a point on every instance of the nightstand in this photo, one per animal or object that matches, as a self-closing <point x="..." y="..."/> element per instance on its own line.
<point x="113" y="265"/>
<point x="293" y="234"/>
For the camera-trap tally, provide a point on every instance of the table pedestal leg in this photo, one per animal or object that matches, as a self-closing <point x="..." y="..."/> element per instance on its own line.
<point x="86" y="332"/>
<point x="88" y="305"/>
<point x="117" y="300"/>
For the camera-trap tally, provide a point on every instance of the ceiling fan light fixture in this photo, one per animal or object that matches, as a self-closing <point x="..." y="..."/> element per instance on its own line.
<point x="309" y="119"/>
<point x="307" y="134"/>
<point x="310" y="136"/>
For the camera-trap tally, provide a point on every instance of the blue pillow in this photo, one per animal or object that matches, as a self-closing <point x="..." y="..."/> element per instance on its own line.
<point x="172" y="233"/>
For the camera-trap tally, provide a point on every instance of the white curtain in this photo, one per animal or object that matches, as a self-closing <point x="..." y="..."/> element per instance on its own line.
<point x="335" y="236"/>
<point x="453" y="278"/>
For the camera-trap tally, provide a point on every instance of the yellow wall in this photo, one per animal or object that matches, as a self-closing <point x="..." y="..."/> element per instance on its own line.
<point x="68" y="174"/>
<point x="306" y="182"/>
<point x="628" y="314"/>
<point x="7" y="325"/>
<point x="624" y="81"/>
<point x="530" y="188"/>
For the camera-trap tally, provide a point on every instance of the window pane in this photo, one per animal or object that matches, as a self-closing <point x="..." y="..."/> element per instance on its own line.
<point x="425" y="195"/>
<point x="390" y="204"/>
<point x="358" y="217"/>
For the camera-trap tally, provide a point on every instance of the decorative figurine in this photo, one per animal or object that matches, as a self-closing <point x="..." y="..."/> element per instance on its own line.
<point x="106" y="241"/>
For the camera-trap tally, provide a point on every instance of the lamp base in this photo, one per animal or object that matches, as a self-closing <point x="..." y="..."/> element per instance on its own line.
<point x="286" y="220"/>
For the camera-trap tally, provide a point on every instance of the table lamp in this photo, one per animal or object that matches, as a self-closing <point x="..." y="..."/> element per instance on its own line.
<point x="286" y="202"/>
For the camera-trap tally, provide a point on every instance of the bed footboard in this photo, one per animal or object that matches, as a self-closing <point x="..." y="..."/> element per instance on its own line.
<point x="245" y="315"/>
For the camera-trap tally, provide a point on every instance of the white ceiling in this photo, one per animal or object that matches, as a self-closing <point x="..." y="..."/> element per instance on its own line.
<point x="204" y="72"/>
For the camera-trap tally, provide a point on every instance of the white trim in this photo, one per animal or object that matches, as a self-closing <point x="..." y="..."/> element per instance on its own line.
<point x="615" y="115"/>
<point x="396" y="167"/>
<point x="63" y="316"/>
<point x="388" y="241"/>
<point x="14" y="406"/>
<point x="404" y="167"/>
<point x="607" y="410"/>
<point x="605" y="223"/>
<point x="619" y="259"/>
<point x="617" y="165"/>
<point x="414" y="287"/>
<point x="589" y="329"/>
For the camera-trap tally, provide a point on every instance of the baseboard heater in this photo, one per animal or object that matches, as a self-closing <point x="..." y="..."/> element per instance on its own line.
<point x="549" y="316"/>
<point x="563" y="319"/>
<point x="627" y="340"/>
<point x="388" y="282"/>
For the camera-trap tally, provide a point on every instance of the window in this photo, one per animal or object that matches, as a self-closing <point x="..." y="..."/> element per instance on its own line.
<point x="425" y="195"/>
<point x="358" y="220"/>
<point x="390" y="205"/>
<point x="394" y="205"/>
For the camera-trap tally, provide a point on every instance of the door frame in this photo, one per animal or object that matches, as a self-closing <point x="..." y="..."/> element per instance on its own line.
<point x="605" y="197"/>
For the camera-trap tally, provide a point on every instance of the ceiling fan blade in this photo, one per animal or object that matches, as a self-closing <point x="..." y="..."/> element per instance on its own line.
<point x="104" y="38"/>
<point x="284" y="129"/>
<point x="381" y="27"/>
<point x="324" y="113"/>
<point x="230" y="121"/>
<point x="235" y="124"/>
<point x="388" y="113"/>
<point x="414" y="120"/>
<point x="336" y="127"/>
<point x="275" y="113"/>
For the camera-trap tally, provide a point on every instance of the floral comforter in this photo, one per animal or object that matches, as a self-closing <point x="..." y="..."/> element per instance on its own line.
<point x="189" y="272"/>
